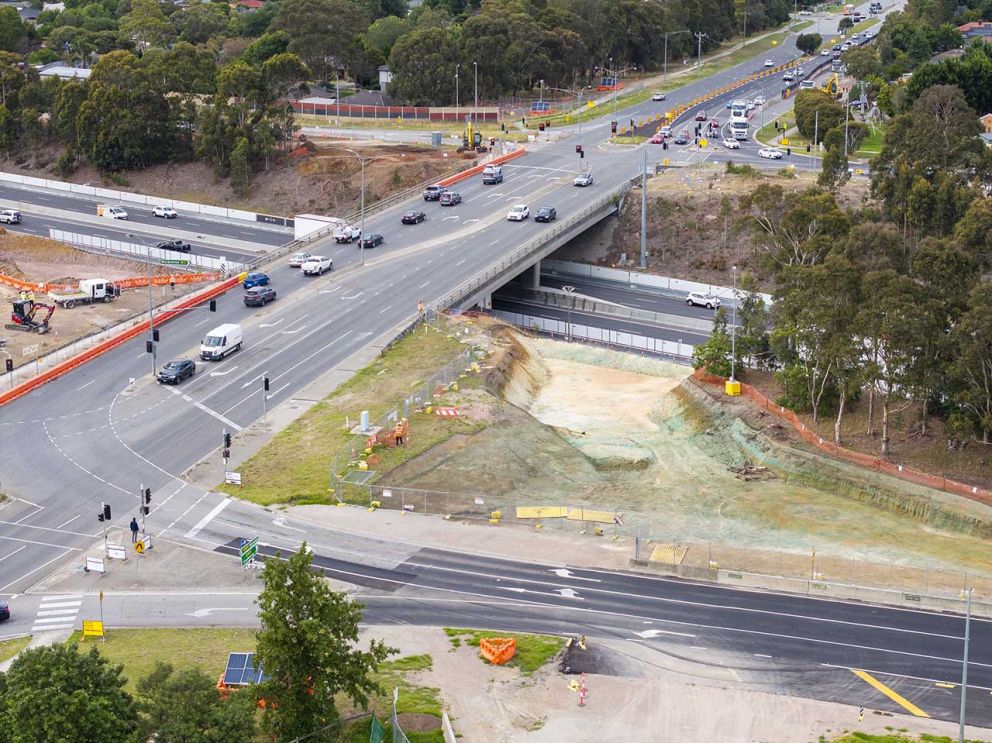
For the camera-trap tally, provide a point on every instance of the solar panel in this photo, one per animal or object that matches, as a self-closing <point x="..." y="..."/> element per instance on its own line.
<point x="241" y="670"/>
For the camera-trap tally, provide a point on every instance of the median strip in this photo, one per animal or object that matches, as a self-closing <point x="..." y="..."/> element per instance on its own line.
<point x="890" y="693"/>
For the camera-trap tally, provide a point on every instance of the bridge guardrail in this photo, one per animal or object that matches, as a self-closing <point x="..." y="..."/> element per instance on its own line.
<point x="599" y="307"/>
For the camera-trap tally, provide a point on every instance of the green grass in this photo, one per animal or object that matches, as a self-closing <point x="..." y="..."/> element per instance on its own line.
<point x="862" y="25"/>
<point x="293" y="466"/>
<point x="859" y="737"/>
<point x="409" y="663"/>
<point x="533" y="651"/>
<point x="139" y="649"/>
<point x="872" y="144"/>
<point x="10" y="648"/>
<point x="447" y="128"/>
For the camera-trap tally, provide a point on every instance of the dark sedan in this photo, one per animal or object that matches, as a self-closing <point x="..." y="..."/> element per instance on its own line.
<point x="546" y="214"/>
<point x="176" y="371"/>
<point x="259" y="296"/>
<point x="450" y="198"/>
<point x="4" y="610"/>
<point x="371" y="241"/>
<point x="413" y="218"/>
<point x="180" y="245"/>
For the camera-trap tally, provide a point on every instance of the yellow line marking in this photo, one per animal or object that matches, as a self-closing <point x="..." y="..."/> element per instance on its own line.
<point x="890" y="693"/>
<point x="945" y="685"/>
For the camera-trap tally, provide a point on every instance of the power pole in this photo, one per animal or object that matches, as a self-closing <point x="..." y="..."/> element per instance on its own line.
<point x="699" y="50"/>
<point x="964" y="667"/>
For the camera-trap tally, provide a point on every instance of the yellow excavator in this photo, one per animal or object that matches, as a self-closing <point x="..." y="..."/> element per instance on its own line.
<point x="472" y="140"/>
<point x="832" y="87"/>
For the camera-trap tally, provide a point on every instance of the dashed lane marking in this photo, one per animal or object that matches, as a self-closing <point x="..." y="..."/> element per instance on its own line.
<point x="76" y="464"/>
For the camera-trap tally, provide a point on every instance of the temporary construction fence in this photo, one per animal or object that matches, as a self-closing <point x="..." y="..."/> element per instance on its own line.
<point x="675" y="350"/>
<point x="498" y="650"/>
<point x="136" y="251"/>
<point x="902" y="472"/>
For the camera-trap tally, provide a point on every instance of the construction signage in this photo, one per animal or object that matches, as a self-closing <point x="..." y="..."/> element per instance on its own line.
<point x="92" y="628"/>
<point x="248" y="551"/>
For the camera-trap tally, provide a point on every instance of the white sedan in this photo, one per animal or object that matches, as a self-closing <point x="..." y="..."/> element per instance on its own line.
<point x="166" y="212"/>
<point x="769" y="63"/>
<point x="759" y="100"/>
<point x="658" y="97"/>
<point x="518" y="213"/>
<point x="731" y="144"/>
<point x="770" y="153"/>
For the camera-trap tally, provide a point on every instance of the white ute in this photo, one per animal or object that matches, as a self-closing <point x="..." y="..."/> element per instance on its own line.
<point x="315" y="265"/>
<point x="111" y="212"/>
<point x="347" y="234"/>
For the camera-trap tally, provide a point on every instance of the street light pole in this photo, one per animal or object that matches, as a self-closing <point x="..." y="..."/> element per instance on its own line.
<point x="644" y="211"/>
<point x="699" y="51"/>
<point x="475" y="113"/>
<point x="542" y="91"/>
<point x="337" y="99"/>
<point x="456" y="86"/>
<point x="733" y="331"/>
<point x="151" y="319"/>
<point x="568" y="309"/>
<point x="964" y="667"/>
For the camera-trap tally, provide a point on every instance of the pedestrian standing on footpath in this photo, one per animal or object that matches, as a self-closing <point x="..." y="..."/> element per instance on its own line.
<point x="134" y="530"/>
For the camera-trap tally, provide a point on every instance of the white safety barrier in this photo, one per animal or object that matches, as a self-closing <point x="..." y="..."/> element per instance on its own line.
<point x="637" y="278"/>
<point x="137" y="251"/>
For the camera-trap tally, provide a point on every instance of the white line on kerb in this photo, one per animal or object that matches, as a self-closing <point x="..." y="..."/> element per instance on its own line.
<point x="208" y="518"/>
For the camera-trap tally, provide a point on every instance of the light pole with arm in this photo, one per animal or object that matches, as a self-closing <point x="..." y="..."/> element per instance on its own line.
<point x="578" y="94"/>
<point x="699" y="50"/>
<point x="667" y="34"/>
<point x="615" y="75"/>
<point x="475" y="112"/>
<point x="456" y="86"/>
<point x="362" y="159"/>
<point x="151" y="319"/>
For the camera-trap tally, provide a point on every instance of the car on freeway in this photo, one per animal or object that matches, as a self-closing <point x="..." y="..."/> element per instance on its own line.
<point x="665" y="131"/>
<point x="297" y="259"/>
<point x="259" y="296"/>
<point x="10" y="216"/>
<point x="176" y="371"/>
<point x="788" y="77"/>
<point x="701" y="299"/>
<point x="824" y="52"/>
<point x="770" y="153"/>
<point x="836" y="48"/>
<point x="111" y="212"/>
<point x="769" y="63"/>
<point x="682" y="137"/>
<point x="804" y="11"/>
<point x="315" y="265"/>
<point x="658" y="138"/>
<point x="582" y="180"/>
<point x="546" y="214"/>
<point x="450" y="198"/>
<point x="658" y="97"/>
<point x="4" y="610"/>
<point x="255" y="278"/>
<point x="759" y="100"/>
<point x="413" y="218"/>
<point x="518" y="213"/>
<point x="701" y="116"/>
<point x="731" y="144"/>
<point x="800" y="71"/>
<point x="433" y="193"/>
<point x="165" y="212"/>
<point x="178" y="245"/>
<point x="372" y="240"/>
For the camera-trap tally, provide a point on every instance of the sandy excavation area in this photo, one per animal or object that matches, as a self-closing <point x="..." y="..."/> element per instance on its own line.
<point x="618" y="432"/>
<point x="40" y="260"/>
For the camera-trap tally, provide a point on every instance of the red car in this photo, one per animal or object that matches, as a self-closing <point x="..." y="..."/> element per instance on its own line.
<point x="658" y="138"/>
<point x="701" y="116"/>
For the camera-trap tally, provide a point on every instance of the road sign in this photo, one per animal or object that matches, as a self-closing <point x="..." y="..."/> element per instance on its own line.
<point x="174" y="261"/>
<point x="139" y="546"/>
<point x="232" y="478"/>
<point x="92" y="628"/>
<point x="248" y="550"/>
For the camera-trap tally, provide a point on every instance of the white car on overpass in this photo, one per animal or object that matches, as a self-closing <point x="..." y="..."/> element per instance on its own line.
<point x="770" y="153"/>
<point x="518" y="213"/>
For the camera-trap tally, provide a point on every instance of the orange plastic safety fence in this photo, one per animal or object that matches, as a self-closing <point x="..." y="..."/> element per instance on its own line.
<point x="497" y="650"/>
<point x="861" y="459"/>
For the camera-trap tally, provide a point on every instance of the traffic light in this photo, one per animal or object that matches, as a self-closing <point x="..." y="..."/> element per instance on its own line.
<point x="172" y="284"/>
<point x="664" y="145"/>
<point x="106" y="512"/>
<point x="265" y="383"/>
<point x="147" y="498"/>
<point x="213" y="305"/>
<point x="578" y="148"/>
<point x="808" y="148"/>
<point x="99" y="515"/>
<point x="226" y="454"/>
<point x="155" y="334"/>
<point x="148" y="346"/>
<point x="540" y="127"/>
<point x="613" y="127"/>
<point x="10" y="365"/>
<point x="227" y="440"/>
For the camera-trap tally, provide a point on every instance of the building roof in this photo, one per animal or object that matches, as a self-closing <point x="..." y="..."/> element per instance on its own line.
<point x="976" y="28"/>
<point x="986" y="116"/>
<point x="370" y="98"/>
<point x="317" y="100"/>
<point x="61" y="70"/>
<point x="987" y="138"/>
<point x="252" y="4"/>
<point x="383" y="68"/>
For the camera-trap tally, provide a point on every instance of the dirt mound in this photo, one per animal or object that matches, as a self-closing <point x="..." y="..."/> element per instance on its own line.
<point x="516" y="375"/>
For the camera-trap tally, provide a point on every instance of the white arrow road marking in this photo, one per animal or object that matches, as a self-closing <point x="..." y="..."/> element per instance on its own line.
<point x="448" y="219"/>
<point x="569" y="593"/>
<point x="271" y="324"/>
<point x="343" y="296"/>
<point x="281" y="523"/>
<point x="494" y="195"/>
<point x="294" y="331"/>
<point x="649" y="633"/>
<point x="201" y="613"/>
<point x="331" y="290"/>
<point x="516" y="590"/>
<point x="470" y="221"/>
<point x="223" y="373"/>
<point x="566" y="573"/>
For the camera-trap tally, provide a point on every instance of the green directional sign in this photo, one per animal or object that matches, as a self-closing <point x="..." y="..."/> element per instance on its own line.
<point x="174" y="262"/>
<point x="249" y="548"/>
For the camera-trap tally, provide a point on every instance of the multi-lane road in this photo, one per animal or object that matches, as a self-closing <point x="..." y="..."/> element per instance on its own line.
<point x="94" y="436"/>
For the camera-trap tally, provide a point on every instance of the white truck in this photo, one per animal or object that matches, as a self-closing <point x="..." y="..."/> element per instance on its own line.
<point x="88" y="290"/>
<point x="347" y="233"/>
<point x="111" y="212"/>
<point x="492" y="174"/>
<point x="738" y="130"/>
<point x="315" y="265"/>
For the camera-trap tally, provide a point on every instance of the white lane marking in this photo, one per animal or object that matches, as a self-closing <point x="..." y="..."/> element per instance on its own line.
<point x="761" y="655"/>
<point x="294" y="331"/>
<point x="425" y="284"/>
<point x="697" y="647"/>
<point x="12" y="553"/>
<point x="59" y="612"/>
<point x="494" y="195"/>
<point x="470" y="221"/>
<point x="650" y="633"/>
<point x="566" y="573"/>
<point x="202" y="322"/>
<point x="65" y="551"/>
<point x="449" y="219"/>
<point x="354" y="297"/>
<point x="331" y="290"/>
<point x="277" y="391"/>
<point x="78" y="466"/>
<point x="191" y="506"/>
<point x="67" y="522"/>
<point x="252" y="380"/>
<point x="208" y="518"/>
<point x="460" y="262"/>
<point x="223" y="373"/>
<point x="85" y="385"/>
<point x="385" y="308"/>
<point x="52" y="627"/>
<point x="271" y="324"/>
<point x="205" y="409"/>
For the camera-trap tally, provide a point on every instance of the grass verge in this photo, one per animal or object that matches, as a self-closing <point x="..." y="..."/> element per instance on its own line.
<point x="891" y="737"/>
<point x="139" y="649"/>
<point x="862" y="25"/>
<point x="872" y="144"/>
<point x="10" y="648"/>
<point x="293" y="466"/>
<point x="533" y="651"/>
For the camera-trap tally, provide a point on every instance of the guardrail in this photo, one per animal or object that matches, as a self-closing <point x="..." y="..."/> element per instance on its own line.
<point x="529" y="247"/>
<point x="599" y="307"/>
<point x="135" y="251"/>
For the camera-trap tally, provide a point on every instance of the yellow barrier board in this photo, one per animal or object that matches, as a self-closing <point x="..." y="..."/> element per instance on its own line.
<point x="92" y="628"/>
<point x="542" y="512"/>
<point x="669" y="554"/>
<point x="586" y="514"/>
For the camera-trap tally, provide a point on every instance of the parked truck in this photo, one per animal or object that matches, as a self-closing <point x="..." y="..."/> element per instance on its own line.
<point x="88" y="290"/>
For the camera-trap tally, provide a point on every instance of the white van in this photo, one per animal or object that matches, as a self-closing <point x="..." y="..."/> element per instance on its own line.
<point x="221" y="341"/>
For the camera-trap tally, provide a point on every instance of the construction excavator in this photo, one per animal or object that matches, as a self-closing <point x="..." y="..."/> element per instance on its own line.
<point x="832" y="86"/>
<point x="24" y="317"/>
<point x="472" y="140"/>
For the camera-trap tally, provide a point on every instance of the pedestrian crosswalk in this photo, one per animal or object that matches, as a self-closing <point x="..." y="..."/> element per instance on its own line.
<point x="57" y="612"/>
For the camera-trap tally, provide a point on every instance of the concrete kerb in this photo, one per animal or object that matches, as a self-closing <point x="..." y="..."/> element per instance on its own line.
<point x="810" y="587"/>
